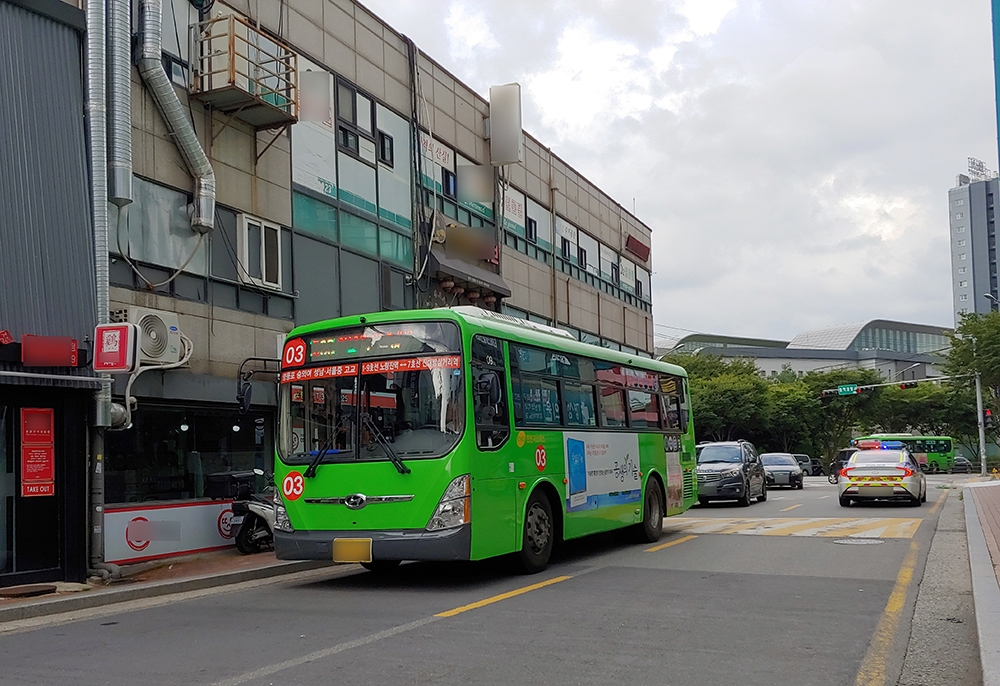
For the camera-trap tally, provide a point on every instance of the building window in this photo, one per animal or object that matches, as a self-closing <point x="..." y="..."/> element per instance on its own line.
<point x="565" y="247"/>
<point x="962" y="270"/>
<point x="963" y="284"/>
<point x="614" y="274"/>
<point x="581" y="257"/>
<point x="961" y="243"/>
<point x="531" y="230"/>
<point x="385" y="151"/>
<point x="959" y="202"/>
<point x="961" y="255"/>
<point x="449" y="184"/>
<point x="960" y="229"/>
<point x="346" y="104"/>
<point x="963" y="297"/>
<point x="347" y="139"/>
<point x="259" y="245"/>
<point x="959" y="215"/>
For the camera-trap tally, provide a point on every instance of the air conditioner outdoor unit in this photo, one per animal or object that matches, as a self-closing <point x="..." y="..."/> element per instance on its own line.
<point x="159" y="334"/>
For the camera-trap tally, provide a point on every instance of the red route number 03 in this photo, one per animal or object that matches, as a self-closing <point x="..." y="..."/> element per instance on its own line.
<point x="295" y="353"/>
<point x="292" y="486"/>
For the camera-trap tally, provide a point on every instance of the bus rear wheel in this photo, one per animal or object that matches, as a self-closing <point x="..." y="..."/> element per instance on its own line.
<point x="538" y="535"/>
<point x="651" y="527"/>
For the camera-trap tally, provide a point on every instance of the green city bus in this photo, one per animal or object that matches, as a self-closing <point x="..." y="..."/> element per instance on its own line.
<point x="933" y="453"/>
<point x="463" y="434"/>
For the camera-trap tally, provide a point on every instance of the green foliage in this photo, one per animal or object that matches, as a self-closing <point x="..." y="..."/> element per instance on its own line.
<point x="786" y="375"/>
<point x="730" y="405"/>
<point x="793" y="413"/>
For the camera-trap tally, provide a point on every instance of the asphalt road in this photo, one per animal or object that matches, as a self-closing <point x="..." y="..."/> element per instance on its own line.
<point x="793" y="591"/>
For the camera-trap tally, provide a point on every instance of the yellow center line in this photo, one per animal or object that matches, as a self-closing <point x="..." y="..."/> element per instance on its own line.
<point x="792" y="507"/>
<point x="872" y="672"/>
<point x="669" y="543"/>
<point x="503" y="596"/>
<point x="938" y="502"/>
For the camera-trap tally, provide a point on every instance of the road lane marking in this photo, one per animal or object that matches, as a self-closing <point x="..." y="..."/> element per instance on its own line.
<point x="502" y="596"/>
<point x="938" y="502"/>
<point x="822" y="496"/>
<point x="668" y="544"/>
<point x="872" y="671"/>
<point x="839" y="527"/>
<point x="792" y="507"/>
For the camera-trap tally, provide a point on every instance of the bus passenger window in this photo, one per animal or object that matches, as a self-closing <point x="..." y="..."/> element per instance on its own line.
<point x="579" y="399"/>
<point x="612" y="407"/>
<point x="489" y="392"/>
<point x="644" y="410"/>
<point x="671" y="412"/>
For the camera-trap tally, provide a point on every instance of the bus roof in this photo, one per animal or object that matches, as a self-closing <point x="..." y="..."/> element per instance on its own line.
<point x="502" y="325"/>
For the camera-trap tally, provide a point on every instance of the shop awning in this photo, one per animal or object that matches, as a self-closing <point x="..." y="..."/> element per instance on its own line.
<point x="18" y="377"/>
<point x="459" y="270"/>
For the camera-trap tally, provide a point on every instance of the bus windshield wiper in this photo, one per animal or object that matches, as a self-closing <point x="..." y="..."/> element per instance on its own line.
<point x="320" y="454"/>
<point x="367" y="420"/>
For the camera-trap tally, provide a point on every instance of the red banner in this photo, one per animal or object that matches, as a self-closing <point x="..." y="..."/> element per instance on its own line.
<point x="330" y="372"/>
<point x="38" y="455"/>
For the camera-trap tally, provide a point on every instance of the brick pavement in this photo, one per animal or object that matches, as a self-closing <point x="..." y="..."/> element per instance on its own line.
<point x="987" y="500"/>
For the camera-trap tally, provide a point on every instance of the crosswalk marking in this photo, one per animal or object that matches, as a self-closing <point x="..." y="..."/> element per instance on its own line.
<point x="839" y="527"/>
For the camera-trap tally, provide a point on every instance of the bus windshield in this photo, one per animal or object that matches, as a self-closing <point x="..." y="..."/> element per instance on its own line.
<point x="415" y="401"/>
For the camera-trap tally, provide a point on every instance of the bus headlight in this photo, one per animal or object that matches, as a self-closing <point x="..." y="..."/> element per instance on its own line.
<point x="281" y="521"/>
<point x="454" y="508"/>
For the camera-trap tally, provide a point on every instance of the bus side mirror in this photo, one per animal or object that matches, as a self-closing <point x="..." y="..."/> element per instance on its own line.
<point x="488" y="388"/>
<point x="243" y="394"/>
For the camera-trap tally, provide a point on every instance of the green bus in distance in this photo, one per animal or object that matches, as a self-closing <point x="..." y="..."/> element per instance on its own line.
<point x="463" y="434"/>
<point x="933" y="453"/>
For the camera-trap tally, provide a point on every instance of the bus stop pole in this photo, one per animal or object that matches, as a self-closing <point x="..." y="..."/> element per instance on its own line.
<point x="982" y="430"/>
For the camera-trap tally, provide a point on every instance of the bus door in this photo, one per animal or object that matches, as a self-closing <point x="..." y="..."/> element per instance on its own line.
<point x="494" y="529"/>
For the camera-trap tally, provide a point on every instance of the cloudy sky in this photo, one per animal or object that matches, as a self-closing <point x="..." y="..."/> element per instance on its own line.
<point x="792" y="157"/>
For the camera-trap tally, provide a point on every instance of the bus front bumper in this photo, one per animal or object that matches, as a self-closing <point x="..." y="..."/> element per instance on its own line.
<point x="401" y="544"/>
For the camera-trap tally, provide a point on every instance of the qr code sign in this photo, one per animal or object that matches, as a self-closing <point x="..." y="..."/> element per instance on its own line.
<point x="111" y="341"/>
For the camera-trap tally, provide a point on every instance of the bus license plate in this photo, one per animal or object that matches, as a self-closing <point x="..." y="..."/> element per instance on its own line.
<point x="352" y="550"/>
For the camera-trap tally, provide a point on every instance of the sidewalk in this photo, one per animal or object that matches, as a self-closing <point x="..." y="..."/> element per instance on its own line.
<point x="982" y="519"/>
<point x="151" y="579"/>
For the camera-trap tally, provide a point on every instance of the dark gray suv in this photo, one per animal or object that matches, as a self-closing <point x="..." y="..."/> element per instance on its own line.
<point x="730" y="470"/>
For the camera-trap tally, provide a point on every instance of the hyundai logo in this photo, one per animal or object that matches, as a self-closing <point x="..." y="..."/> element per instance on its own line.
<point x="355" y="501"/>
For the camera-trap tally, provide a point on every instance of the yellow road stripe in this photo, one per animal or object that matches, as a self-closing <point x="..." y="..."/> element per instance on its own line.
<point x="938" y="502"/>
<point x="872" y="672"/>
<point x="502" y="596"/>
<point x="792" y="507"/>
<point x="885" y="527"/>
<point x="668" y="544"/>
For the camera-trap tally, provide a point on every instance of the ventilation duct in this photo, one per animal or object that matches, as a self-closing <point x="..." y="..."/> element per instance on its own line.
<point x="181" y="129"/>
<point x="119" y="103"/>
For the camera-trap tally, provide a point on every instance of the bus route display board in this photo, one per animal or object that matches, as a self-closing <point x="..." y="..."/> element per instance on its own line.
<point x="38" y="463"/>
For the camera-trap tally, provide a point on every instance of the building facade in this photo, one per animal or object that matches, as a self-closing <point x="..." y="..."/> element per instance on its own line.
<point x="341" y="159"/>
<point x="972" y="232"/>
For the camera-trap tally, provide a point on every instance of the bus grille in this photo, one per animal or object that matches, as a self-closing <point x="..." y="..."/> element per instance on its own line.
<point x="688" y="485"/>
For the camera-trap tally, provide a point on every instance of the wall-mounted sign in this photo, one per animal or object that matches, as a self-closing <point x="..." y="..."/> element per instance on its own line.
<point x="38" y="455"/>
<point x="49" y="351"/>
<point x="637" y="248"/>
<point x="115" y="347"/>
<point x="5" y="337"/>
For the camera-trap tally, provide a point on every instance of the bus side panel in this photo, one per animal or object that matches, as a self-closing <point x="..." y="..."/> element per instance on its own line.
<point x="494" y="522"/>
<point x="604" y="489"/>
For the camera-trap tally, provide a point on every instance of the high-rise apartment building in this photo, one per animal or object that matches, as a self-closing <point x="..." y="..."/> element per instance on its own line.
<point x="972" y="230"/>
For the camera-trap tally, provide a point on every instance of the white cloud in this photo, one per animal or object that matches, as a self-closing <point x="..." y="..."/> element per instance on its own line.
<point x="468" y="33"/>
<point x="705" y="16"/>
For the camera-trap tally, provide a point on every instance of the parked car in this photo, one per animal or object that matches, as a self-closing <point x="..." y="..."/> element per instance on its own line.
<point x="962" y="465"/>
<point x="730" y="470"/>
<point x="782" y="469"/>
<point x="883" y="474"/>
<point x="811" y="466"/>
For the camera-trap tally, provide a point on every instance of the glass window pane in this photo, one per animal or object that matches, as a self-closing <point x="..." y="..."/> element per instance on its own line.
<point x="253" y="265"/>
<point x="579" y="404"/>
<point x="272" y="261"/>
<point x="540" y="401"/>
<point x="644" y="410"/>
<point x="612" y="407"/>
<point x="345" y="103"/>
<point x="396" y="248"/>
<point x="358" y="233"/>
<point x="313" y="216"/>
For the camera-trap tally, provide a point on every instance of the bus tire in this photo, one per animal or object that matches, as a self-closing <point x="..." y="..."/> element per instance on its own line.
<point x="651" y="527"/>
<point x="538" y="534"/>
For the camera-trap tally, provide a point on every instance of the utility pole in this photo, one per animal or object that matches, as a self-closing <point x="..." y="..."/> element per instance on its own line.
<point x="982" y="429"/>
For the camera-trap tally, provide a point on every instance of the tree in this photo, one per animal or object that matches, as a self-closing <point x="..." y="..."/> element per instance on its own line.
<point x="729" y="406"/>
<point x="792" y="417"/>
<point x="975" y="346"/>
<point x="786" y="375"/>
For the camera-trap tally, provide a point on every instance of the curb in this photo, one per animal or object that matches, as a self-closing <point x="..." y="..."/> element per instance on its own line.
<point x="985" y="593"/>
<point x="85" y="600"/>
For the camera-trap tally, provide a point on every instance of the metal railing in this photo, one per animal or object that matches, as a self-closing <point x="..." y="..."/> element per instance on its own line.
<point x="229" y="53"/>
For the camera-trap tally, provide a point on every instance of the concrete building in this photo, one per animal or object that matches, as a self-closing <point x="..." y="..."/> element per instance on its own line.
<point x="897" y="350"/>
<point x="292" y="162"/>
<point x="972" y="233"/>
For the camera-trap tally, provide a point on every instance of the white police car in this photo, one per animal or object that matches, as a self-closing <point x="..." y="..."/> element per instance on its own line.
<point x="882" y="470"/>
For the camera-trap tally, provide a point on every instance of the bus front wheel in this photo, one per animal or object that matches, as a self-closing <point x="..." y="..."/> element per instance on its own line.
<point x="538" y="535"/>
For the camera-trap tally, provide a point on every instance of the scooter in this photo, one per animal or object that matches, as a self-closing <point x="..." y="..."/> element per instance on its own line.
<point x="253" y="518"/>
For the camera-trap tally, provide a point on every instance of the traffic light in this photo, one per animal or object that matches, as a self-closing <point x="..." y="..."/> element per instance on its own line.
<point x="988" y="418"/>
<point x="829" y="393"/>
<point x="908" y="384"/>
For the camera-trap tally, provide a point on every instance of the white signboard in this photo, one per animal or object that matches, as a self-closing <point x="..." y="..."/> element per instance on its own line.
<point x="437" y="152"/>
<point x="147" y="532"/>
<point x="603" y="470"/>
<point x="513" y="210"/>
<point x="314" y="158"/>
